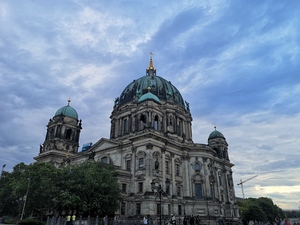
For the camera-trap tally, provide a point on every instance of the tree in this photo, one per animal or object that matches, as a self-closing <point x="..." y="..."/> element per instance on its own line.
<point x="255" y="213"/>
<point x="10" y="187"/>
<point x="261" y="209"/>
<point x="267" y="206"/>
<point x="43" y="187"/>
<point x="31" y="187"/>
<point x="92" y="188"/>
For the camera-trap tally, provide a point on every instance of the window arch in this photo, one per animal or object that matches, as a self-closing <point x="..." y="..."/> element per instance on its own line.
<point x="69" y="134"/>
<point x="155" y="123"/>
<point x="197" y="166"/>
<point x="143" y="122"/>
<point x="220" y="178"/>
<point x="125" y="126"/>
<point x="179" y="130"/>
<point x="105" y="159"/>
<point x="51" y="133"/>
<point x="141" y="160"/>
<point x="198" y="191"/>
<point x="171" y="120"/>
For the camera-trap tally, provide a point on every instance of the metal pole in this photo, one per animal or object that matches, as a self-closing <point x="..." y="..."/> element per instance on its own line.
<point x="160" y="206"/>
<point x="26" y="196"/>
<point x="2" y="169"/>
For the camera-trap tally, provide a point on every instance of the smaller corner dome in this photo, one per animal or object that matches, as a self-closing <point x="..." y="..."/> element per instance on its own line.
<point x="148" y="96"/>
<point x="67" y="111"/>
<point x="216" y="134"/>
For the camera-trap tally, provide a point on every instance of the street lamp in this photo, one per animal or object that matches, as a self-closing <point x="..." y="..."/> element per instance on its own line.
<point x="2" y="169"/>
<point x="25" y="199"/>
<point x="157" y="189"/>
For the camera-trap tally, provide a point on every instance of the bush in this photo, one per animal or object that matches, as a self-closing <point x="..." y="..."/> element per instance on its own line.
<point x="9" y="220"/>
<point x="31" y="221"/>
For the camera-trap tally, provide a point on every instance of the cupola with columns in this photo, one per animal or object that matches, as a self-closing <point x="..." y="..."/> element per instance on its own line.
<point x="151" y="103"/>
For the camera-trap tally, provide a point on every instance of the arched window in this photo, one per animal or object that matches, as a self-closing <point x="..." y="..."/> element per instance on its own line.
<point x="220" y="179"/>
<point x="58" y="131"/>
<point x="177" y="168"/>
<point x="125" y="126"/>
<point x="198" y="191"/>
<point x="105" y="159"/>
<point x="167" y="167"/>
<point x="197" y="167"/>
<point x="141" y="163"/>
<point x="156" y="123"/>
<point x="69" y="134"/>
<point x="51" y="133"/>
<point x="171" y="120"/>
<point x="143" y="123"/>
<point x="179" y="128"/>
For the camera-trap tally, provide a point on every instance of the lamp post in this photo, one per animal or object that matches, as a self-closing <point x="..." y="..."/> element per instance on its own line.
<point x="157" y="189"/>
<point x="2" y="169"/>
<point x="25" y="199"/>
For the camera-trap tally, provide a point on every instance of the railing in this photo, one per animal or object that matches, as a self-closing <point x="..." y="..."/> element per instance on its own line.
<point x="123" y="221"/>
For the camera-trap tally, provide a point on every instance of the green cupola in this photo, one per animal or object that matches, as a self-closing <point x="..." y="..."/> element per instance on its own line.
<point x="67" y="111"/>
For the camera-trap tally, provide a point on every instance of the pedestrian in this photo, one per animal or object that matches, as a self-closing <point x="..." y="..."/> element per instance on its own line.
<point x="287" y="222"/>
<point x="145" y="220"/>
<point x="185" y="220"/>
<point x="192" y="220"/>
<point x="198" y="220"/>
<point x="68" y="220"/>
<point x="73" y="219"/>
<point x="173" y="219"/>
<point x="221" y="221"/>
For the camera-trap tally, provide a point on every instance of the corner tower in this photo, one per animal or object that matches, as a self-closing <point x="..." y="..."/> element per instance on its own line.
<point x="62" y="138"/>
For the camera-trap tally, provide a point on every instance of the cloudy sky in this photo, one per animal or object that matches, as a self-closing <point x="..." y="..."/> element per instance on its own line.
<point x="236" y="62"/>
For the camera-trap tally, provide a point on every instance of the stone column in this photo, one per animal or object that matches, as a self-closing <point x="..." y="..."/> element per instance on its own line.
<point x="186" y="176"/>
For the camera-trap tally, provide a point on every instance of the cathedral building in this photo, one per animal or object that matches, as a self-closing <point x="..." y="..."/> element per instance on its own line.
<point x="161" y="170"/>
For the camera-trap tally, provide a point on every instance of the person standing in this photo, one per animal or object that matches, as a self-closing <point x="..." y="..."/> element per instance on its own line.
<point x="173" y="219"/>
<point x="73" y="219"/>
<point x="287" y="222"/>
<point x="192" y="220"/>
<point x="68" y="220"/>
<point x="197" y="220"/>
<point x="145" y="220"/>
<point x="185" y="220"/>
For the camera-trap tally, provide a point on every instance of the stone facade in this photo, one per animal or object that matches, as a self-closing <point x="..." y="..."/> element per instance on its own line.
<point x="151" y="144"/>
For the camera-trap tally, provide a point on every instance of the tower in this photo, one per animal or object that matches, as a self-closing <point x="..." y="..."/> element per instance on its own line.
<point x="62" y="138"/>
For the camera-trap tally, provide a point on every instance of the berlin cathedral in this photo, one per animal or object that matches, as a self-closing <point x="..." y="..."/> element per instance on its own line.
<point x="151" y="146"/>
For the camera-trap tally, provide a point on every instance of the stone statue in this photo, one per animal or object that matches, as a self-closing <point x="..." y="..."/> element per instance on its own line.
<point x="187" y="106"/>
<point x="92" y="155"/>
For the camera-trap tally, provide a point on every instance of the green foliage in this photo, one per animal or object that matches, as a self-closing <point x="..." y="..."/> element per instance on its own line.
<point x="255" y="212"/>
<point x="11" y="221"/>
<point x="291" y="213"/>
<point x="89" y="187"/>
<point x="267" y="206"/>
<point x="93" y="188"/>
<point x="261" y="209"/>
<point x="31" y="221"/>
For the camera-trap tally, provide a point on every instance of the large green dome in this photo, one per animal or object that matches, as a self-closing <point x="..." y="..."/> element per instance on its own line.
<point x="160" y="87"/>
<point x="67" y="111"/>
